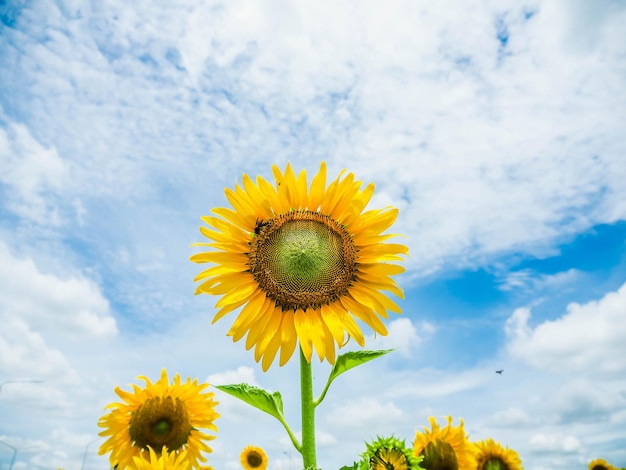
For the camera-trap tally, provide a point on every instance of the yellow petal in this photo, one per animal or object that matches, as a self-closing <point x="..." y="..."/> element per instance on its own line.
<point x="318" y="186"/>
<point x="303" y="327"/>
<point x="289" y="338"/>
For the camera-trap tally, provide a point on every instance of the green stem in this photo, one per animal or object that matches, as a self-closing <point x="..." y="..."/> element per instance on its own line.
<point x="308" y="414"/>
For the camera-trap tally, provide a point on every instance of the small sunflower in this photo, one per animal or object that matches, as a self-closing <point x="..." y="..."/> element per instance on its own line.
<point x="156" y="416"/>
<point x="253" y="458"/>
<point x="165" y="461"/>
<point x="389" y="453"/>
<point x="490" y="455"/>
<point x="600" y="464"/>
<point x="301" y="261"/>
<point x="444" y="448"/>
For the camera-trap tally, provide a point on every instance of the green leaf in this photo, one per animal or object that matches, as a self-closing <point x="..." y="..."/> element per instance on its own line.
<point x="346" y="362"/>
<point x="257" y="397"/>
<point x="352" y="359"/>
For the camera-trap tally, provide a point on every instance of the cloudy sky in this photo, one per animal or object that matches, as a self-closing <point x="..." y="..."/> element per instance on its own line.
<point x="497" y="128"/>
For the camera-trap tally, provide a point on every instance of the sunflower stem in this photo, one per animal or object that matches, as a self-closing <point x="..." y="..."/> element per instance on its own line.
<point x="308" y="413"/>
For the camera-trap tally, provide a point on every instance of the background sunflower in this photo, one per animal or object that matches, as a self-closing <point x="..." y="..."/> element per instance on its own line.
<point x="254" y="458"/>
<point x="448" y="444"/>
<point x="600" y="464"/>
<point x="488" y="451"/>
<point x="156" y="416"/>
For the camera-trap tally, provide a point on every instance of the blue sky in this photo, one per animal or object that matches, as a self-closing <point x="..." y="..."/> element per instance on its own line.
<point x="495" y="128"/>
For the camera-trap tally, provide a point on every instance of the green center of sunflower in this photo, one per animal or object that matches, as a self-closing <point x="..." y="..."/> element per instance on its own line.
<point x="254" y="459"/>
<point x="159" y="422"/>
<point x="495" y="463"/>
<point x="302" y="259"/>
<point x="439" y="455"/>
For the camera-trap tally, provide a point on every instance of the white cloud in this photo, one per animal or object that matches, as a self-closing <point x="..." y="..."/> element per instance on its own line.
<point x="367" y="414"/>
<point x="528" y="279"/>
<point x="26" y="355"/>
<point x="242" y="374"/>
<point x="428" y="383"/>
<point x="585" y="400"/>
<point x="588" y="336"/>
<point x="72" y="306"/>
<point x="34" y="174"/>
<point x="510" y="417"/>
<point x="554" y="443"/>
<point x="403" y="336"/>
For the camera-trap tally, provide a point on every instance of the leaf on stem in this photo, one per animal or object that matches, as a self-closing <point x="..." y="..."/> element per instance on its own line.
<point x="348" y="361"/>
<point x="352" y="359"/>
<point x="257" y="397"/>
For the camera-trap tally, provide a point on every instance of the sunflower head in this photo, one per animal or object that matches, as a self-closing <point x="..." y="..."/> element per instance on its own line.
<point x="253" y="458"/>
<point x="159" y="416"/>
<point x="302" y="262"/>
<point x="164" y="460"/>
<point x="388" y="453"/>
<point x="600" y="464"/>
<point x="490" y="455"/>
<point x="444" y="448"/>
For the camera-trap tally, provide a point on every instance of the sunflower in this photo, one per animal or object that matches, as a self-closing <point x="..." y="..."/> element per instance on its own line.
<point x="156" y="416"/>
<point x="301" y="261"/>
<point x="600" y="464"/>
<point x="389" y="453"/>
<point x="491" y="455"/>
<point x="444" y="448"/>
<point x="165" y="461"/>
<point x="253" y="458"/>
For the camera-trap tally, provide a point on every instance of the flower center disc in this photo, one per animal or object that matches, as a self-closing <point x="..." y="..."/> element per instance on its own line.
<point x="302" y="259"/>
<point x="160" y="422"/>
<point x="494" y="463"/>
<point x="439" y="455"/>
<point x="254" y="459"/>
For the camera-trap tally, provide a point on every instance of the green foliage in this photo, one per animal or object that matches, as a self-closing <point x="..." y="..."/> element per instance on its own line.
<point x="349" y="361"/>
<point x="352" y="359"/>
<point x="257" y="397"/>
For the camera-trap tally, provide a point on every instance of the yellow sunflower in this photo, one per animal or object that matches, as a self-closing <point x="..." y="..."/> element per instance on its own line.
<point x="156" y="416"/>
<point x="444" y="448"/>
<point x="165" y="461"/>
<point x="600" y="464"/>
<point x="491" y="455"/>
<point x="253" y="458"/>
<point x="301" y="261"/>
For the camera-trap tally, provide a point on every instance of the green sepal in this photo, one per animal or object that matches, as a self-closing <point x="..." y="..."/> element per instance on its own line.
<point x="354" y="466"/>
<point x="257" y="397"/>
